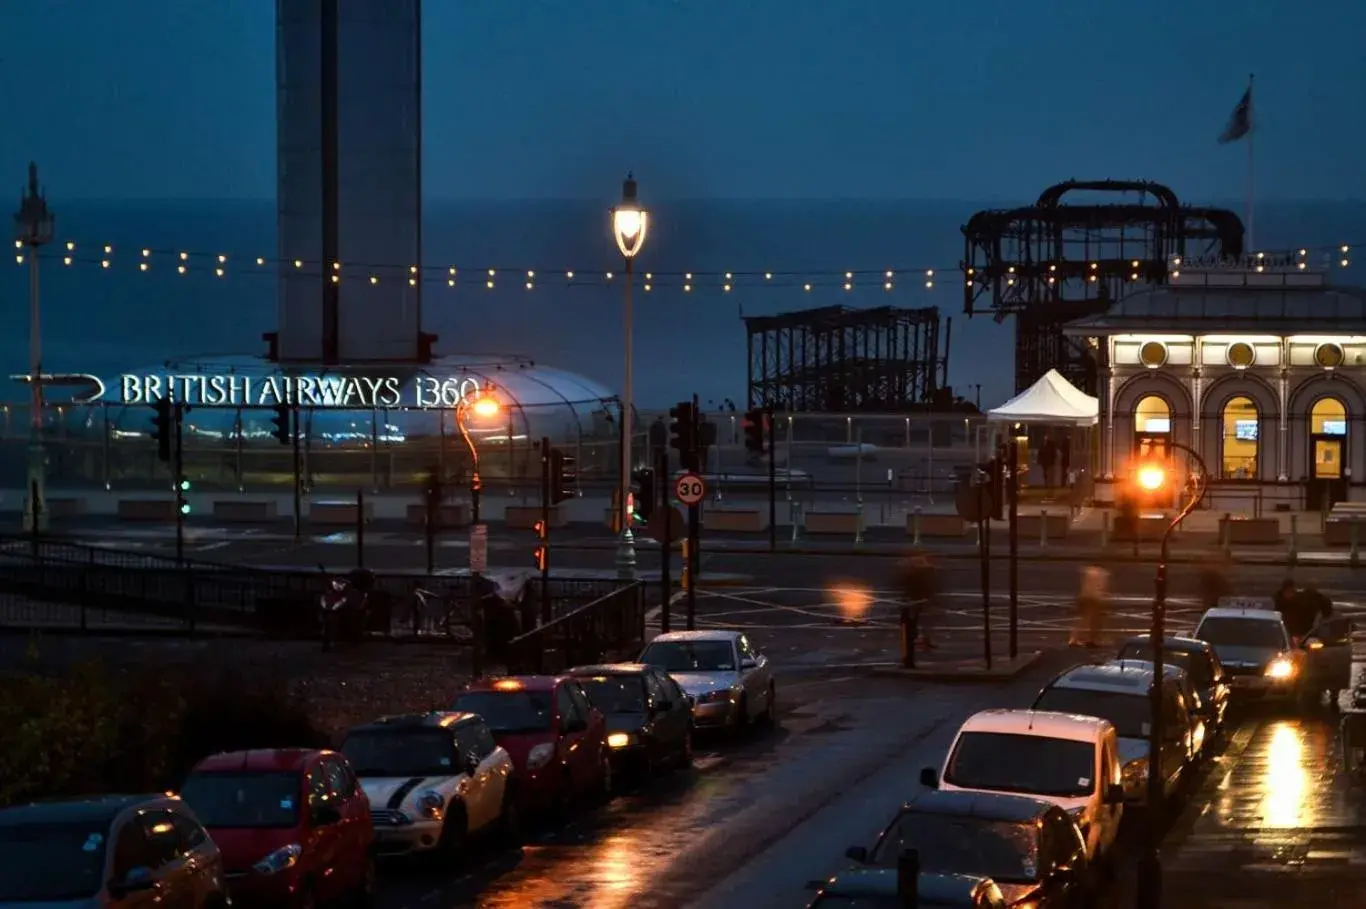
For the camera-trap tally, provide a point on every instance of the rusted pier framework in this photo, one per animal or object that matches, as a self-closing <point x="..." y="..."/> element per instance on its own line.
<point x="1062" y="259"/>
<point x="835" y="359"/>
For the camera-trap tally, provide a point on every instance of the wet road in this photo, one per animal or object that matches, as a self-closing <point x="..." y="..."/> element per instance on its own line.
<point x="750" y="825"/>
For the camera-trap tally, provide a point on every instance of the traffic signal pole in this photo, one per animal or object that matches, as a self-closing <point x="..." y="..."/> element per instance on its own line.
<point x="771" y="435"/>
<point x="694" y="531"/>
<point x="545" y="529"/>
<point x="178" y="473"/>
<point x="666" y="513"/>
<point x="1013" y="491"/>
<point x="298" y="478"/>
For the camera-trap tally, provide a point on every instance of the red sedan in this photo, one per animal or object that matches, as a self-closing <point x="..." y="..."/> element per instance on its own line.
<point x="556" y="738"/>
<point x="292" y="824"/>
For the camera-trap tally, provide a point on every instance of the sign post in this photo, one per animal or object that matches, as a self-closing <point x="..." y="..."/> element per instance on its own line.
<point x="479" y="548"/>
<point x="691" y="490"/>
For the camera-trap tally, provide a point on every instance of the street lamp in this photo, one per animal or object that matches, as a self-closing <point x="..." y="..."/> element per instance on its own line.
<point x="33" y="225"/>
<point x="1153" y="477"/>
<point x="484" y="407"/>
<point x="630" y="224"/>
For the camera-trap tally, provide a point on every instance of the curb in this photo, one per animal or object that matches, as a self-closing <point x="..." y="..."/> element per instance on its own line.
<point x="973" y="675"/>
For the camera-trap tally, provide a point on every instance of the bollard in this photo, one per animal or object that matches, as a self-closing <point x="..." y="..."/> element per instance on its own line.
<point x="1355" y="552"/>
<point x="910" y="630"/>
<point x="1043" y="529"/>
<point x="1104" y="528"/>
<point x="1293" y="555"/>
<point x="1226" y="533"/>
<point x="794" y="513"/>
<point x="858" y="522"/>
<point x="915" y="526"/>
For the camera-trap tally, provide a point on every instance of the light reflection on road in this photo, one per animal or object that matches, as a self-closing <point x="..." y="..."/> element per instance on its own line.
<point x="1285" y="780"/>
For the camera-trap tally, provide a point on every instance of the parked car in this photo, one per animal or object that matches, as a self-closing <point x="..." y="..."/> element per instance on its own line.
<point x="1328" y="647"/>
<point x="1255" y="650"/>
<point x="1202" y="667"/>
<point x="1068" y="760"/>
<point x="879" y="888"/>
<point x="1199" y="736"/>
<point x="1031" y="849"/>
<point x="730" y="682"/>
<point x="557" y="739"/>
<point x="114" y="852"/>
<point x="1119" y="693"/>
<point x="292" y="823"/>
<point x="649" y="718"/>
<point x="432" y="779"/>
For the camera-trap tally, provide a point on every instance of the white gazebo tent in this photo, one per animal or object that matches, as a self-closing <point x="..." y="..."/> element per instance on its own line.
<point x="1053" y="400"/>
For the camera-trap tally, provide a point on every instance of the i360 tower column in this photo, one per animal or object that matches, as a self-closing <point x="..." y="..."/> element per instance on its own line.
<point x="349" y="158"/>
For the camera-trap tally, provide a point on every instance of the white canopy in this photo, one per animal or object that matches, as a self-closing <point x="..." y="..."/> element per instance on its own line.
<point x="1052" y="399"/>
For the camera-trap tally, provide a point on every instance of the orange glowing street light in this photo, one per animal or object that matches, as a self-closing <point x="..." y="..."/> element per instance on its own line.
<point x="486" y="407"/>
<point x="1151" y="477"/>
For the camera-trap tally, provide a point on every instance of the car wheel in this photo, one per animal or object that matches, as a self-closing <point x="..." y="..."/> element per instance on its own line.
<point x="685" y="753"/>
<point x="742" y="713"/>
<point x="770" y="714"/>
<point x="608" y="782"/>
<point x="454" y="832"/>
<point x="510" y="818"/>
<point x="564" y="797"/>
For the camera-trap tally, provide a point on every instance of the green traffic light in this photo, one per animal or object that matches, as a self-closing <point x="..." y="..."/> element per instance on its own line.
<point x="184" y="485"/>
<point x="184" y="507"/>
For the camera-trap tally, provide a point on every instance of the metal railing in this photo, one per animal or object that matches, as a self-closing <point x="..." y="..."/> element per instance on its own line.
<point x="610" y="627"/>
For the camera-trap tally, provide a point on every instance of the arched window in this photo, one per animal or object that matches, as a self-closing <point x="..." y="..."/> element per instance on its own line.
<point x="1239" y="427"/>
<point x="1328" y="418"/>
<point x="1153" y="416"/>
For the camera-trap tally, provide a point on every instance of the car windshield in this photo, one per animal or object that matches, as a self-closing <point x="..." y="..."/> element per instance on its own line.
<point x="616" y="693"/>
<point x="509" y="711"/>
<point x="1000" y="850"/>
<point x="690" y="656"/>
<point x="1037" y="765"/>
<point x="50" y="862"/>
<point x="1196" y="664"/>
<point x="1128" y="713"/>
<point x="243" y="799"/>
<point x="1257" y="633"/>
<point x="401" y="752"/>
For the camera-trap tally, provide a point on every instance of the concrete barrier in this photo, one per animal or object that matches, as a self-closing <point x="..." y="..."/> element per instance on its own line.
<point x="833" y="522"/>
<point x="524" y="517"/>
<point x="1045" y="526"/>
<point x="735" y="520"/>
<point x="939" y="526"/>
<point x="335" y="514"/>
<point x="65" y="508"/>
<point x="1241" y="531"/>
<point x="147" y="509"/>
<point x="1337" y="531"/>
<point x="246" y="511"/>
<point x="451" y="514"/>
<point x="1148" y="527"/>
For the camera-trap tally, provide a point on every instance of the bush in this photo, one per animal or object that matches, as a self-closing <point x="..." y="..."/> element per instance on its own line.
<point x="91" y="730"/>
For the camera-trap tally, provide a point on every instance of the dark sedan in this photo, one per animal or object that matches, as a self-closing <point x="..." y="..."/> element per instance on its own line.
<point x="649" y="718"/>
<point x="1202" y="667"/>
<point x="878" y="888"/>
<point x="1030" y="848"/>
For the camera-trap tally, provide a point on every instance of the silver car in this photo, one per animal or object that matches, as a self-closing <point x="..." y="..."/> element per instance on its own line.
<point x="730" y="683"/>
<point x="113" y="852"/>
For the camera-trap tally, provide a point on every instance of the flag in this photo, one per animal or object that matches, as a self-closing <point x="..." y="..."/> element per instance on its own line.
<point x="1240" y="123"/>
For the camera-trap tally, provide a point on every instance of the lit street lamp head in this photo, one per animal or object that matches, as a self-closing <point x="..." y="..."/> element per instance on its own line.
<point x="1151" y="477"/>
<point x="485" y="407"/>
<point x="33" y="222"/>
<point x="630" y="222"/>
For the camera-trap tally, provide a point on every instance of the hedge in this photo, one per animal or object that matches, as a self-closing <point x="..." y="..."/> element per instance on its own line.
<point x="91" y="729"/>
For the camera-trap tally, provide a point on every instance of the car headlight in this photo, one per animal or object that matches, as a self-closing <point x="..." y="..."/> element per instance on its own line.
<point x="430" y="803"/>
<point x="280" y="859"/>
<point x="620" y="740"/>
<point x="540" y="756"/>
<point x="1280" y="668"/>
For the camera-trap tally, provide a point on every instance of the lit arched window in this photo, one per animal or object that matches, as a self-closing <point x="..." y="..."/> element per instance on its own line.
<point x="1328" y="418"/>
<point x="1239" y="439"/>
<point x="1152" y="415"/>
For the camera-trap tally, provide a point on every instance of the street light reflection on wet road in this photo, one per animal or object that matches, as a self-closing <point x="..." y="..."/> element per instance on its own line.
<point x="1286" y="779"/>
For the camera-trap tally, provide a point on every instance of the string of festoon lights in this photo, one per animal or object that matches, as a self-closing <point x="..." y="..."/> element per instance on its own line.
<point x="146" y="259"/>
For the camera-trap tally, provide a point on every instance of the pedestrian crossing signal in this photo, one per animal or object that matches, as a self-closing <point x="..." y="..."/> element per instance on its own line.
<point x="754" y="431"/>
<point x="163" y="428"/>
<point x="281" y="432"/>
<point x="542" y="557"/>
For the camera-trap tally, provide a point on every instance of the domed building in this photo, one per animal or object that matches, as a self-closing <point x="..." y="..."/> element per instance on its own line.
<point x="373" y="427"/>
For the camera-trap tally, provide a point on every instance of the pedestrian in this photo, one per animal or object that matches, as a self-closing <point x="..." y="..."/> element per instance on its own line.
<point x="1309" y="607"/>
<point x="1284" y="600"/>
<point x="1213" y="579"/>
<point x="1092" y="603"/>
<point x="921" y="587"/>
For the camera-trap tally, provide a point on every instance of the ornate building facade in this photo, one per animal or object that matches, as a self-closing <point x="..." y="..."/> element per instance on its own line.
<point x="1259" y="366"/>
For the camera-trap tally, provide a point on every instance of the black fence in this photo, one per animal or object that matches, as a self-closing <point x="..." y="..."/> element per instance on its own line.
<point x="609" y="628"/>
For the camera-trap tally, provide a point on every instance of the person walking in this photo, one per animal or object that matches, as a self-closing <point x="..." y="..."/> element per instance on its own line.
<point x="1284" y="601"/>
<point x="1213" y="579"/>
<point x="921" y="586"/>
<point x="1310" y="607"/>
<point x="1092" y="604"/>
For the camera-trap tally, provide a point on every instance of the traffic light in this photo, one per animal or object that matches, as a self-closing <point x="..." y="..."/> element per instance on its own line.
<point x="282" y="431"/>
<point x="563" y="477"/>
<point x="754" y="430"/>
<point x="181" y="490"/>
<point x="645" y="494"/>
<point x="542" y="553"/>
<point x="683" y="430"/>
<point x="163" y="427"/>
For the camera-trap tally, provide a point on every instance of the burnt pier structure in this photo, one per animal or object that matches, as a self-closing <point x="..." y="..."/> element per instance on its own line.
<point x="1080" y="247"/>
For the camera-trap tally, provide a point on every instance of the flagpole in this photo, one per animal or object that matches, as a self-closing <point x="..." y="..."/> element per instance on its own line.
<point x="1251" y="189"/>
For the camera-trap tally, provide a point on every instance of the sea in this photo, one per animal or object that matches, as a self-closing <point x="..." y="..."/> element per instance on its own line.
<point x="118" y="319"/>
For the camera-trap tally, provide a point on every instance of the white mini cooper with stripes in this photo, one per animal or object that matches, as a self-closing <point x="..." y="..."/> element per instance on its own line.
<point x="432" y="779"/>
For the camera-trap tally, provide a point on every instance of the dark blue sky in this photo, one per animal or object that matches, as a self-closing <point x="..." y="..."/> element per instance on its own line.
<point x="724" y="98"/>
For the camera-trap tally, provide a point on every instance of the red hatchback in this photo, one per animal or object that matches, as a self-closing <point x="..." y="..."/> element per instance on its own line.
<point x="293" y="826"/>
<point x="556" y="738"/>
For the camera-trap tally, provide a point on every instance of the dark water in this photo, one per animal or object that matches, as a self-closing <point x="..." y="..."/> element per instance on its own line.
<point x="109" y="320"/>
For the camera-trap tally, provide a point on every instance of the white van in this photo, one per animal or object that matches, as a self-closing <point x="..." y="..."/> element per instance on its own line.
<point x="1071" y="761"/>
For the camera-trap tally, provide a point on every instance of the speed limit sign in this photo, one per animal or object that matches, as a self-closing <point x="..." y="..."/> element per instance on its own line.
<point x="690" y="489"/>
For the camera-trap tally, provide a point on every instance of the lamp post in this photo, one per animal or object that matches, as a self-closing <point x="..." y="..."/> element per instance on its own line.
<point x="1154" y="477"/>
<point x="630" y="223"/>
<point x="484" y="407"/>
<point x="33" y="225"/>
